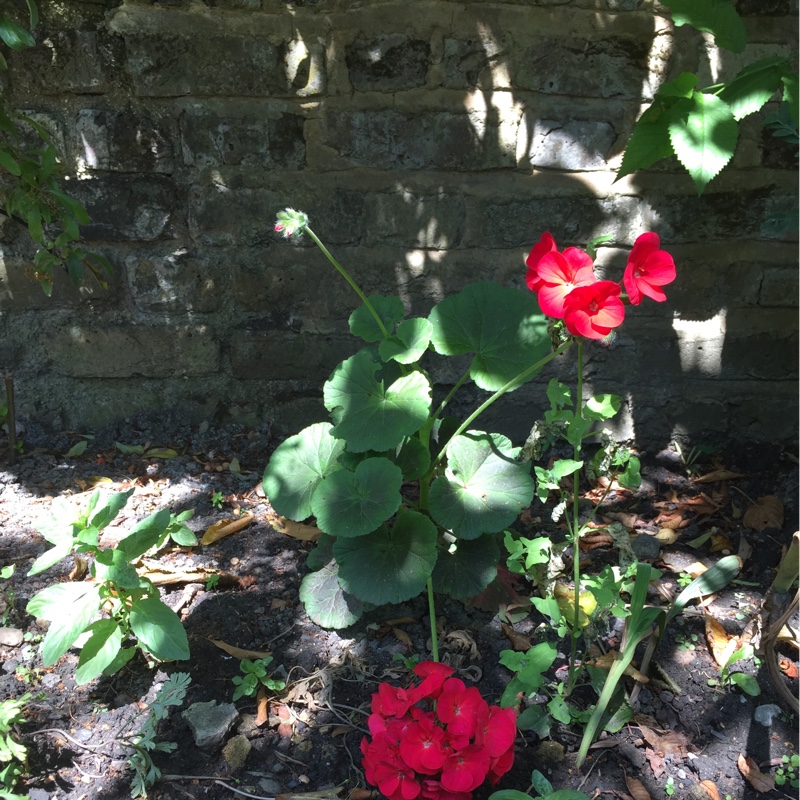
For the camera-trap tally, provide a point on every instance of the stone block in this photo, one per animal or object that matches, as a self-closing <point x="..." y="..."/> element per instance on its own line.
<point x="464" y="63"/>
<point x="70" y="61"/>
<point x="177" y="65"/>
<point x="576" y="145"/>
<point x="122" y="141"/>
<point x="178" y="281"/>
<point x="778" y="287"/>
<point x="241" y="215"/>
<point x="287" y="356"/>
<point x="268" y="138"/>
<point x="128" y="351"/>
<point x="126" y="207"/>
<point x="418" y="218"/>
<point x="387" y="63"/>
<point x="607" y="67"/>
<point x="388" y="139"/>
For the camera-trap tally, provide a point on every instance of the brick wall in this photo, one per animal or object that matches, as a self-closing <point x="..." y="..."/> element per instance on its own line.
<point x="431" y="143"/>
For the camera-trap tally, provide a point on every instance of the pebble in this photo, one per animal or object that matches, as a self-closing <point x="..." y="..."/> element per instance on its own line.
<point x="11" y="637"/>
<point x="270" y="786"/>
<point x="765" y="715"/>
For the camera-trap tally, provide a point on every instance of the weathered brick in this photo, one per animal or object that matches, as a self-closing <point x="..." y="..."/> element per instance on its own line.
<point x="177" y="281"/>
<point x="387" y="63"/>
<point x="123" y="142"/>
<point x="128" y="351"/>
<point x="573" y="145"/>
<point x="607" y="67"/>
<point x="463" y="63"/>
<point x="406" y="140"/>
<point x="286" y="356"/>
<point x="177" y="65"/>
<point x="122" y="207"/>
<point x="778" y="287"/>
<point x="418" y="218"/>
<point x="271" y="139"/>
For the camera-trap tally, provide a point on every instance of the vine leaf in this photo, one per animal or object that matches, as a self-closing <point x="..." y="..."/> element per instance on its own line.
<point x="389" y="566"/>
<point x="297" y="466"/>
<point x="753" y="86"/>
<point x="503" y="327"/>
<point x="484" y="489"/>
<point x="368" y="414"/>
<point x="717" y="17"/>
<point x="703" y="133"/>
<point x="354" y="503"/>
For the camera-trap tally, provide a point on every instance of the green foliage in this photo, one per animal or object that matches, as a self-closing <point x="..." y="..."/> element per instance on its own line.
<point x="543" y="790"/>
<point x="384" y="542"/>
<point x="747" y="683"/>
<point x="146" y="773"/>
<point x="255" y="675"/>
<point x="30" y="192"/>
<point x="13" y="754"/>
<point x="787" y="772"/>
<point x="217" y="500"/>
<point x="701" y="126"/>
<point x="131" y="603"/>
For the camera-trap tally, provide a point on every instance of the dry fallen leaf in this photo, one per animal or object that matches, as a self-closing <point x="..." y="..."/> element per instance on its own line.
<point x="787" y="667"/>
<point x="711" y="790"/>
<point x="696" y="569"/>
<point x="262" y="706"/>
<point x="161" y="577"/>
<point x="720" y="642"/>
<point x="402" y="636"/>
<point x="79" y="569"/>
<point x="359" y="794"/>
<point x="225" y="527"/>
<point x="656" y="762"/>
<point x="238" y="652"/>
<point x="755" y="777"/>
<point x="667" y="536"/>
<point x="637" y="789"/>
<point x="297" y="530"/>
<point x="718" y="475"/>
<point x="606" y="661"/>
<point x="670" y="743"/>
<point x="766" y="513"/>
<point x="721" y="543"/>
<point x="628" y="520"/>
<point x="518" y="641"/>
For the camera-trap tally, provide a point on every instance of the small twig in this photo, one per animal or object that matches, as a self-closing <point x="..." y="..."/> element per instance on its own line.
<point x="284" y="757"/>
<point x="215" y="780"/>
<point x="83" y="772"/>
<point x="71" y="739"/>
<point x="270" y="641"/>
<point x="599" y="759"/>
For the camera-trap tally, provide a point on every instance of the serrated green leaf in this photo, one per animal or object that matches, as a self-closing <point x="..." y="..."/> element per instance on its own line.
<point x="469" y="570"/>
<point x="99" y="651"/>
<point x="328" y="605"/>
<point x="69" y="607"/>
<point x="717" y="17"/>
<point x="145" y="535"/>
<point x="389" y="566"/>
<point x="409" y="344"/>
<point x="368" y="414"/>
<point x="159" y="630"/>
<point x="753" y="86"/>
<point x="703" y="133"/>
<point x="648" y="144"/>
<point x="503" y="327"/>
<point x="297" y="466"/>
<point x="363" y="324"/>
<point x="354" y="503"/>
<point x="602" y="406"/>
<point x="483" y="489"/>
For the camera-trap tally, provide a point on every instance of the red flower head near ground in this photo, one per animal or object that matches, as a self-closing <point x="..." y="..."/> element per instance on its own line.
<point x="546" y="244"/>
<point x="437" y="755"/>
<point x="594" y="311"/>
<point x="648" y="268"/>
<point x="559" y="274"/>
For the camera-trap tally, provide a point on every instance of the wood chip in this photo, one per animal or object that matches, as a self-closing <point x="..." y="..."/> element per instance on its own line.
<point x="238" y="652"/>
<point x="225" y="527"/>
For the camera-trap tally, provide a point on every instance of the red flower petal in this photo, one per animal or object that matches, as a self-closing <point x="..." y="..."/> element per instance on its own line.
<point x="546" y="244"/>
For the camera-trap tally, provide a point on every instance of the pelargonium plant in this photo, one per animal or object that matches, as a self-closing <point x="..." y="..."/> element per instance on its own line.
<point x="438" y="739"/>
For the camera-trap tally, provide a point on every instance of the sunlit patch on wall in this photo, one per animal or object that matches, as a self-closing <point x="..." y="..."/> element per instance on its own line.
<point x="700" y="343"/>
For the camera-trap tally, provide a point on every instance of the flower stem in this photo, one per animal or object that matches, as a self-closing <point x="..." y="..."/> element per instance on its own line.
<point x="356" y="288"/>
<point x="576" y="537"/>
<point x="432" y="612"/>
<point x="512" y="384"/>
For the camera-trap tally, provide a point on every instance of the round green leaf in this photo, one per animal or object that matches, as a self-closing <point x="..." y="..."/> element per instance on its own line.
<point x="413" y="459"/>
<point x="159" y="630"/>
<point x="469" y="570"/>
<point x="602" y="406"/>
<point x="389" y="309"/>
<point x="483" y="489"/>
<point x="503" y="327"/>
<point x="370" y="415"/>
<point x="325" y="601"/>
<point x="409" y="344"/>
<point x="389" y="566"/>
<point x="354" y="503"/>
<point x="297" y="466"/>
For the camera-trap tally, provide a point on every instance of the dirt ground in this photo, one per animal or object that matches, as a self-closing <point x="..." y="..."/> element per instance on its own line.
<point x="310" y="740"/>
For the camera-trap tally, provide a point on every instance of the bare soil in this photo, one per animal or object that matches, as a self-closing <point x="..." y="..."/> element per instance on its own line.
<point x="310" y="741"/>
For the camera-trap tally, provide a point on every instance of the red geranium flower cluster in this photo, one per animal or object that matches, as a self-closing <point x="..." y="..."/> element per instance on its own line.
<point x="568" y="288"/>
<point x="441" y="754"/>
